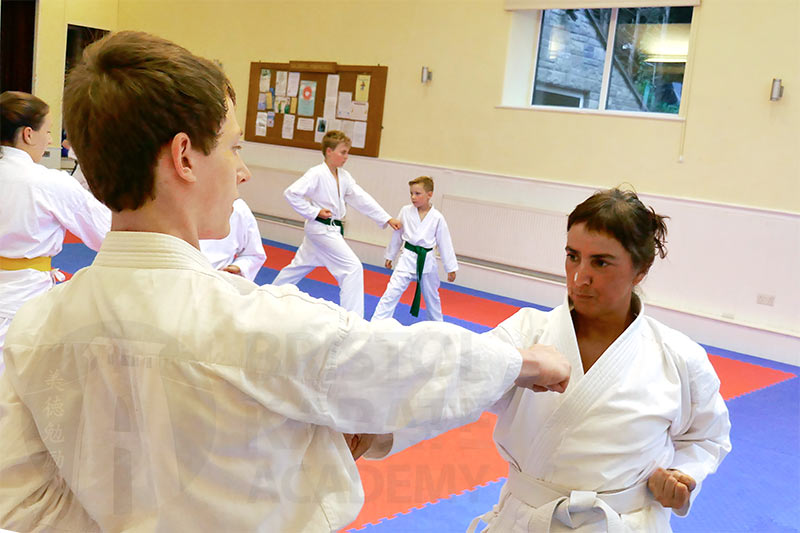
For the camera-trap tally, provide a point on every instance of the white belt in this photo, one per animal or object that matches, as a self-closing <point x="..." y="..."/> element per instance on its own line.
<point x="571" y="508"/>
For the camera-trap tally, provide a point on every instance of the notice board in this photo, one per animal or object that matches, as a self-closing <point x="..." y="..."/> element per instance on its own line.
<point x="295" y="103"/>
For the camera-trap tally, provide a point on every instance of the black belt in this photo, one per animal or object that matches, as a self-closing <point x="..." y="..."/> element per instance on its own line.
<point x="421" y="252"/>
<point x="331" y="222"/>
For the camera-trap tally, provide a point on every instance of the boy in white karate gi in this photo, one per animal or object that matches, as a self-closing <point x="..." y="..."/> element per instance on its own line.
<point x="155" y="393"/>
<point x="242" y="251"/>
<point x="424" y="228"/>
<point x="320" y="196"/>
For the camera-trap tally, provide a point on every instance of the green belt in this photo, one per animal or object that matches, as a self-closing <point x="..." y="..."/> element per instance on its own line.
<point x="421" y="253"/>
<point x="331" y="222"/>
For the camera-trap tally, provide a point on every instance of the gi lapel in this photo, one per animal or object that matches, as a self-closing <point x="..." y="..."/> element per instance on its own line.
<point x="583" y="390"/>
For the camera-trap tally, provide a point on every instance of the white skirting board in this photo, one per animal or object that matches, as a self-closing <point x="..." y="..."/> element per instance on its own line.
<point x="707" y="330"/>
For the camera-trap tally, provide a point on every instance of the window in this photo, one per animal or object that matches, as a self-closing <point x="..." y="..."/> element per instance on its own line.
<point x="625" y="59"/>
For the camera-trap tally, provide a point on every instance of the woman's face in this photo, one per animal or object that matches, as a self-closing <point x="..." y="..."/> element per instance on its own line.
<point x="600" y="274"/>
<point x="35" y="142"/>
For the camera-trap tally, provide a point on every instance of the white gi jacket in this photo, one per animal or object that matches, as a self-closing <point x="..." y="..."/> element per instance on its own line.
<point x="37" y="206"/>
<point x="154" y="393"/>
<point x="430" y="232"/>
<point x="242" y="247"/>
<point x="316" y="190"/>
<point x="651" y="400"/>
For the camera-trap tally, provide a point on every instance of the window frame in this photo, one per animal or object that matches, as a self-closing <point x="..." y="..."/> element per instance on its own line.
<point x="606" y="79"/>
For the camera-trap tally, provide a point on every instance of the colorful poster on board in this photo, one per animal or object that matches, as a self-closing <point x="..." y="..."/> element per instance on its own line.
<point x="262" y="101"/>
<point x="308" y="92"/>
<point x="362" y="88"/>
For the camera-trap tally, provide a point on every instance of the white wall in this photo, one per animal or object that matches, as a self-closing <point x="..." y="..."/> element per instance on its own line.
<point x="721" y="257"/>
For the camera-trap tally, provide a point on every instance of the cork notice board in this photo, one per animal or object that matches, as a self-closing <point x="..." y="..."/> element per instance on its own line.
<point x="293" y="104"/>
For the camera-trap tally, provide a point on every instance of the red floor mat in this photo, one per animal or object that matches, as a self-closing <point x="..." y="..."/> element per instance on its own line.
<point x="454" y="304"/>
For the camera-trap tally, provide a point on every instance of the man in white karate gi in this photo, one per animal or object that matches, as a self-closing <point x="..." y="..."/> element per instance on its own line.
<point x="242" y="251"/>
<point x="155" y="393"/>
<point x="321" y="196"/>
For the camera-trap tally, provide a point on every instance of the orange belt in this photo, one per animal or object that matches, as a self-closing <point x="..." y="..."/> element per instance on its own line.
<point x="36" y="263"/>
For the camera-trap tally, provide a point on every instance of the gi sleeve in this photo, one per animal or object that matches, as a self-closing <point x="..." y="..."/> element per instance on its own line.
<point x="445" y="245"/>
<point x="250" y="256"/>
<point x="77" y="210"/>
<point x="393" y="248"/>
<point x="365" y="204"/>
<point x="335" y="369"/>
<point x="703" y="440"/>
<point x="296" y="194"/>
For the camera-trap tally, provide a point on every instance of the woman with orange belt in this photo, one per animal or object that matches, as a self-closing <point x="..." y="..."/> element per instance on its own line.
<point x="37" y="207"/>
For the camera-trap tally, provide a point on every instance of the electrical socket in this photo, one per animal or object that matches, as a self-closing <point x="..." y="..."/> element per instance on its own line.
<point x="765" y="299"/>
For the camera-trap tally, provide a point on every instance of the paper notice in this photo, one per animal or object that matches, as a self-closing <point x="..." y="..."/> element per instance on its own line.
<point x="330" y="107"/>
<point x="305" y="124"/>
<point x="280" y="83"/>
<point x="359" y="110"/>
<point x="264" y="80"/>
<point x="347" y="128"/>
<point x="332" y="86"/>
<point x="359" y="134"/>
<point x="287" y="132"/>
<point x="261" y="124"/>
<point x="292" y="84"/>
<point x="344" y="105"/>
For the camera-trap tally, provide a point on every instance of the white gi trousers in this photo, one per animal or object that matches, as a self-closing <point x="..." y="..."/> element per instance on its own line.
<point x="398" y="284"/>
<point x="330" y="250"/>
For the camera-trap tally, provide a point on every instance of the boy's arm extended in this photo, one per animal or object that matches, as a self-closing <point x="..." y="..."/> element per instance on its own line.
<point x="366" y="204"/>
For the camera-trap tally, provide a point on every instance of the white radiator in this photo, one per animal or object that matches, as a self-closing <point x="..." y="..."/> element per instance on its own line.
<point x="512" y="235"/>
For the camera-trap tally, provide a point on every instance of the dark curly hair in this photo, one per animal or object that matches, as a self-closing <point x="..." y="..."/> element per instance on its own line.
<point x="620" y="214"/>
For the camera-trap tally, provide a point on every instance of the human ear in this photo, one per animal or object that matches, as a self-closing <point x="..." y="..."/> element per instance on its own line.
<point x="640" y="276"/>
<point x="27" y="132"/>
<point x="181" y="156"/>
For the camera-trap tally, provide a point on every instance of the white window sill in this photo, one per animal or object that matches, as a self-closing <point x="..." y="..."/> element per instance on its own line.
<point x="608" y="112"/>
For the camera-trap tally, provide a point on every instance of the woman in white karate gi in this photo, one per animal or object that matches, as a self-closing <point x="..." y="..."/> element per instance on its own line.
<point x="242" y="251"/>
<point x="37" y="206"/>
<point x="642" y="422"/>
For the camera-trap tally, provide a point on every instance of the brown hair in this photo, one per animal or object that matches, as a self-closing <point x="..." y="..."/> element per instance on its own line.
<point x="129" y="96"/>
<point x="425" y="181"/>
<point x="332" y="140"/>
<point x="621" y="215"/>
<point x="20" y="110"/>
